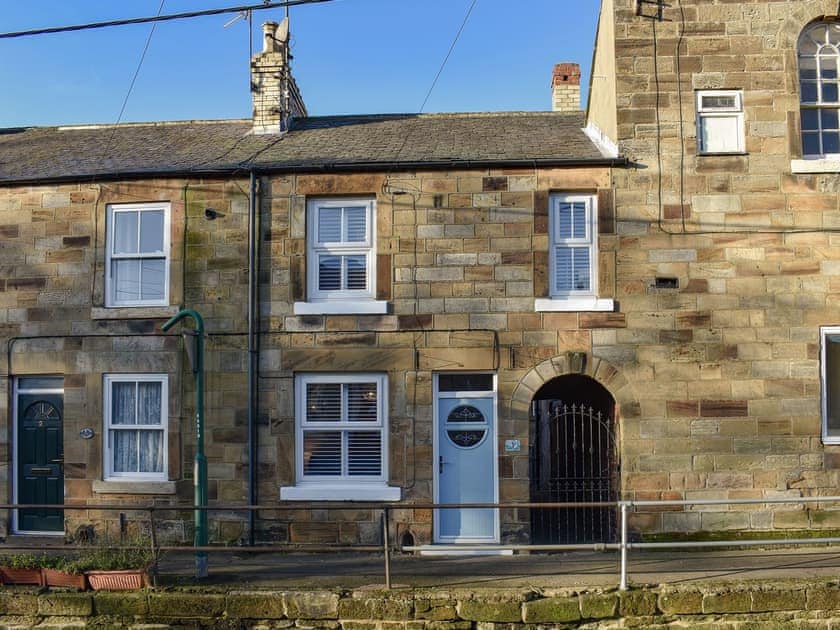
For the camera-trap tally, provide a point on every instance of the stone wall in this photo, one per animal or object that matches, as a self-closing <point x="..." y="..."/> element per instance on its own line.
<point x="728" y="361"/>
<point x="811" y="604"/>
<point x="461" y="255"/>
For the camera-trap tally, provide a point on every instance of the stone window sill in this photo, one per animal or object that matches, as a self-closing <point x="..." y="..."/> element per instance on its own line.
<point x="342" y="307"/>
<point x="133" y="487"/>
<point x="134" y="312"/>
<point x="821" y="165"/>
<point x="588" y="304"/>
<point x="340" y="492"/>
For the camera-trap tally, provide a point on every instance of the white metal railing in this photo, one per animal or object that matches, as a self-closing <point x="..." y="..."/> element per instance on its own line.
<point x="623" y="546"/>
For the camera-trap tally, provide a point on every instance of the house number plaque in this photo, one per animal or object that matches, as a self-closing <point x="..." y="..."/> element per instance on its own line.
<point x="86" y="433"/>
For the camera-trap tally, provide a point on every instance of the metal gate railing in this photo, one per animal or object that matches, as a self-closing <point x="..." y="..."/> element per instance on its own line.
<point x="573" y="460"/>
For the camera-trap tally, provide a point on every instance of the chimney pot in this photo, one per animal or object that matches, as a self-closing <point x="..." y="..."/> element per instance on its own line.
<point x="269" y="41"/>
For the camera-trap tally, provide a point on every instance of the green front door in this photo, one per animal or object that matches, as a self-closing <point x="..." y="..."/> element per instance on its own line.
<point x="40" y="460"/>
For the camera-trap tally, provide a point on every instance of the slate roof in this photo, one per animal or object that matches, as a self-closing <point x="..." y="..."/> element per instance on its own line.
<point x="313" y="144"/>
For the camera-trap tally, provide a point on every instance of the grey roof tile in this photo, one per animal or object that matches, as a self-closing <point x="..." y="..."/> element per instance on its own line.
<point x="326" y="142"/>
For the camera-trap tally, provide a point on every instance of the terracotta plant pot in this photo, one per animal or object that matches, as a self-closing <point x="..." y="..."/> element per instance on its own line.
<point x="21" y="576"/>
<point x="55" y="577"/>
<point x="129" y="580"/>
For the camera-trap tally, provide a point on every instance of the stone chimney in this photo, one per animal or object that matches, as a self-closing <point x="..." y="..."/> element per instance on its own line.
<point x="565" y="88"/>
<point x="275" y="94"/>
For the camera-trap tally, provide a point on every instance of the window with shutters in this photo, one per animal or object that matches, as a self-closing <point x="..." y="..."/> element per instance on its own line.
<point x="341" y="437"/>
<point x="341" y="257"/>
<point x="137" y="252"/>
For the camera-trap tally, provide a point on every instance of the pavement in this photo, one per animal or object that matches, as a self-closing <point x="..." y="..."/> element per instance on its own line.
<point x="579" y="569"/>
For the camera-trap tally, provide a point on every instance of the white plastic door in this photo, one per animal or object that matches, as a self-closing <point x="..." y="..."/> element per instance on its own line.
<point x="465" y="469"/>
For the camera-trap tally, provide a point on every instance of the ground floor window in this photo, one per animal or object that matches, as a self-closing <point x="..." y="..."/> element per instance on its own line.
<point x="830" y="373"/>
<point x="135" y="410"/>
<point x="341" y="445"/>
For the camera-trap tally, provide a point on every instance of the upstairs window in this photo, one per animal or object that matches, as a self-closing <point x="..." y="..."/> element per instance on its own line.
<point x="137" y="255"/>
<point x="819" y="89"/>
<point x="720" y="121"/>
<point x="572" y="258"/>
<point x="340" y="252"/>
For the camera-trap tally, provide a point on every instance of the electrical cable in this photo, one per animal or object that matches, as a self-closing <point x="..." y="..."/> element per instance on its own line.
<point x="431" y="88"/>
<point x="158" y="18"/>
<point x="448" y="54"/>
<point x="131" y="84"/>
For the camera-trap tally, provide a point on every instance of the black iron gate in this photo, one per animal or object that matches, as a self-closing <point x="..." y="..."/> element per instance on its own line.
<point x="573" y="459"/>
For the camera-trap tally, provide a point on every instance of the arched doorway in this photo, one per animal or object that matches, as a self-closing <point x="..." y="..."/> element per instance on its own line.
<point x="573" y="458"/>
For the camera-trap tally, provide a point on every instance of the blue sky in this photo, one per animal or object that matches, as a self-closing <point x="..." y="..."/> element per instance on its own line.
<point x="350" y="56"/>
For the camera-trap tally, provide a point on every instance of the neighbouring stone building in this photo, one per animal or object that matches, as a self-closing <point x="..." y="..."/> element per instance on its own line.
<point x="414" y="285"/>
<point x="727" y="254"/>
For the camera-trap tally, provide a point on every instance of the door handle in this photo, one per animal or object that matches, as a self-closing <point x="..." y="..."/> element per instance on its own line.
<point x="440" y="464"/>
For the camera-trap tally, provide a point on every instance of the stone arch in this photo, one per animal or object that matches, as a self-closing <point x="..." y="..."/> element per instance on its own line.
<point x="609" y="376"/>
<point x="804" y="13"/>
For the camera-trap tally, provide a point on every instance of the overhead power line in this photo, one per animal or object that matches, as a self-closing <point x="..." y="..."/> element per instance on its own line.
<point x="158" y="18"/>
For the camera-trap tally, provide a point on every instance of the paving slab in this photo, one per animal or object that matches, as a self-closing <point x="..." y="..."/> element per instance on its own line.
<point x="542" y="571"/>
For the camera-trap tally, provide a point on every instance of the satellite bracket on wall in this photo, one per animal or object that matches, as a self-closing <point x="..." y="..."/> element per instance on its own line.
<point x="651" y="9"/>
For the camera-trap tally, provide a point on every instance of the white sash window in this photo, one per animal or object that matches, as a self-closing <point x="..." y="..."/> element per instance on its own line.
<point x="137" y="252"/>
<point x="135" y="410"/>
<point x="340" y="252"/>
<point x="573" y="255"/>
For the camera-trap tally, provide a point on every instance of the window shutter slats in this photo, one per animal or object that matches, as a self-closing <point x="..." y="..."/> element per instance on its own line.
<point x="356" y="272"/>
<point x="361" y="402"/>
<point x="323" y="402"/>
<point x="355" y="220"/>
<point x="329" y="225"/>
<point x="364" y="453"/>
<point x="322" y="453"/>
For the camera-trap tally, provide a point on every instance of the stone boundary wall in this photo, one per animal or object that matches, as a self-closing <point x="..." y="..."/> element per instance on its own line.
<point x="811" y="604"/>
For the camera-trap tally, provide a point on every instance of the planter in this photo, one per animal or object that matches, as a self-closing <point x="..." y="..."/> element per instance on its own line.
<point x="55" y="577"/>
<point x="21" y="576"/>
<point x="117" y="580"/>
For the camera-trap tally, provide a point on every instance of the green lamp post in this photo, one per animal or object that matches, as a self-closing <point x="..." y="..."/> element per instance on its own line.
<point x="200" y="469"/>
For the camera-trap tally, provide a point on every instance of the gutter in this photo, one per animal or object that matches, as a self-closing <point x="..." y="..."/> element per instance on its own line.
<point x="322" y="167"/>
<point x="253" y="348"/>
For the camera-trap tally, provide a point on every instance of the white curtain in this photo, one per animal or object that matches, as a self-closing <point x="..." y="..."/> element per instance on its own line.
<point x="136" y="403"/>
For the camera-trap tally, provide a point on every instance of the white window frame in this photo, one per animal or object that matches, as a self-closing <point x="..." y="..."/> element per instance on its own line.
<point x="341" y="487"/>
<point x="107" y="443"/>
<point x="828" y="437"/>
<point x="315" y="248"/>
<point x="829" y="47"/>
<point x="580" y="300"/>
<point x="111" y="300"/>
<point x="735" y="112"/>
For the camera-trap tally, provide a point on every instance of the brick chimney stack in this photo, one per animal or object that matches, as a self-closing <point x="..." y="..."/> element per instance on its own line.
<point x="274" y="92"/>
<point x="565" y="88"/>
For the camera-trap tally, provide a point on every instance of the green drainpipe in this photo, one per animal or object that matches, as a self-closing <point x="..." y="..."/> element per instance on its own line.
<point x="200" y="470"/>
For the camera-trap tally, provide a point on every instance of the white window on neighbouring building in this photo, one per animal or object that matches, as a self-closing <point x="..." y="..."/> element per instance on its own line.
<point x="720" y="121"/>
<point x="341" y="437"/>
<point x="830" y="377"/>
<point x="137" y="255"/>
<point x="819" y="89"/>
<point x="136" y="416"/>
